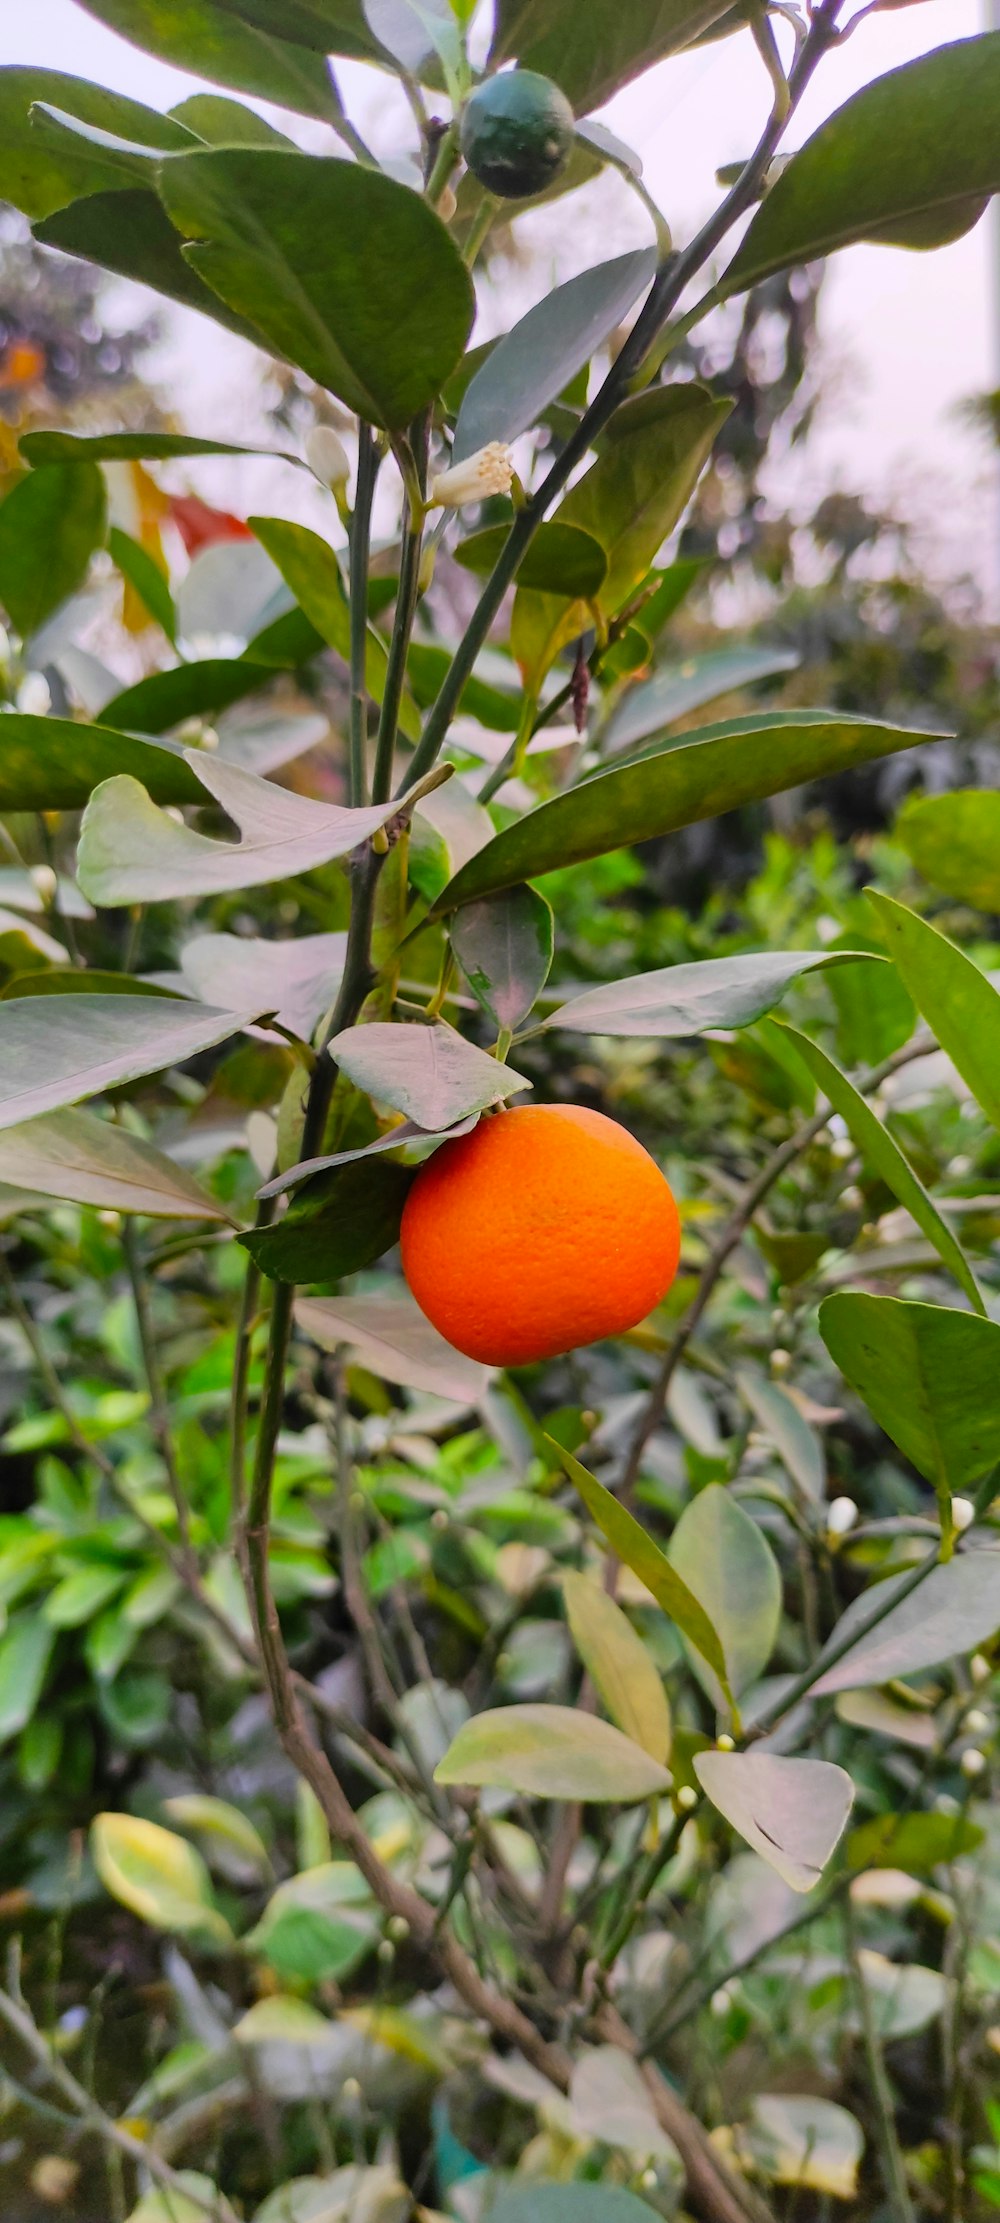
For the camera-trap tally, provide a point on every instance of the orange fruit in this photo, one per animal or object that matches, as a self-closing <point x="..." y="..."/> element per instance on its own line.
<point x="546" y="1227"/>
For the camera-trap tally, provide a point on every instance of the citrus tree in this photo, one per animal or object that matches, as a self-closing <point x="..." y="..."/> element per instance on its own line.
<point x="381" y="1053"/>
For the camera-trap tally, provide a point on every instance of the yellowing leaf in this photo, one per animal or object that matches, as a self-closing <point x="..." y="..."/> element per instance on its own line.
<point x="618" y="1664"/>
<point x="157" y="1875"/>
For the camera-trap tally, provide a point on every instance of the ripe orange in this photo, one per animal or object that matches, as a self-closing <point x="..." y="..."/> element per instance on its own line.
<point x="546" y="1227"/>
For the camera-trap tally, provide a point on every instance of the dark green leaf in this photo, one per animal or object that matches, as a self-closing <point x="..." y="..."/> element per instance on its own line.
<point x="886" y="1158"/>
<point x="329" y="26"/>
<point x="504" y="947"/>
<point x="339" y="1223"/>
<point x="380" y="317"/>
<point x="702" y="779"/>
<point x="130" y="233"/>
<point x="132" y="447"/>
<point x="593" y="51"/>
<point x="954" y="840"/>
<point x="25" y="1652"/>
<point x="221" y="122"/>
<point x="657" y="704"/>
<point x="560" y="560"/>
<point x="692" y="999"/>
<point x="309" y="567"/>
<point x="551" y="1752"/>
<point x="533" y="364"/>
<point x="917" y="146"/>
<point x="951" y="993"/>
<point x="728" y="1565"/>
<point x="955" y="1608"/>
<point x="188" y="691"/>
<point x="917" y="1843"/>
<point x="927" y="1374"/>
<point x="53" y="764"/>
<point x="40" y="178"/>
<point x="203" y="37"/>
<point x="638" y="1551"/>
<point x="72" y="980"/>
<point x="50" y="524"/>
<point x="792" y="1812"/>
<point x="56" y="1050"/>
<point x="632" y="497"/>
<point x="146" y="578"/>
<point x="430" y="1073"/>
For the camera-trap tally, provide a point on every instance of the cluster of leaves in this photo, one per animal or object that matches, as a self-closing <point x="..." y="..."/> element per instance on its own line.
<point x="628" y="1598"/>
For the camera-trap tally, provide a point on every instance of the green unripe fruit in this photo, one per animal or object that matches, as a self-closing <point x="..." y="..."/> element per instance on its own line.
<point x="517" y="133"/>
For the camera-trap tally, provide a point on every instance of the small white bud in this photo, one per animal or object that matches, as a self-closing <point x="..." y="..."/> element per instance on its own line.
<point x="327" y="457"/>
<point x="725" y="1743"/>
<point x="439" y="1518"/>
<point x="977" y="1723"/>
<point x="842" y="1148"/>
<point x="963" y="1512"/>
<point x="447" y="205"/>
<point x="852" y="1199"/>
<point x="972" y="1762"/>
<point x="979" y="1668"/>
<point x="350" y="2091"/>
<point x="387" y="1950"/>
<point x="945" y="1804"/>
<point x="841" y="1516"/>
<point x="111" y="1220"/>
<point x="781" y="1362"/>
<point x="721" y="2001"/>
<point x="648" y="2179"/>
<point x="687" y="1797"/>
<point x="489" y="471"/>
<point x="45" y="881"/>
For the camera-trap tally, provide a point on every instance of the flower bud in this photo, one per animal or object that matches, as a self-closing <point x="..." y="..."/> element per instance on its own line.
<point x="963" y="1512"/>
<point x="489" y="471"/>
<point x="972" y="1762"/>
<point x="721" y="2001"/>
<point x="447" y="205"/>
<point x="841" y="1516"/>
<point x="45" y="882"/>
<point x="781" y="1362"/>
<point x="979" y="1668"/>
<point x="327" y="457"/>
<point x="977" y="1723"/>
<point x="725" y="1743"/>
<point x="687" y="1797"/>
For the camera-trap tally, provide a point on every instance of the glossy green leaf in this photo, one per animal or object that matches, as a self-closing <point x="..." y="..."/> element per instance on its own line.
<point x="206" y="38"/>
<point x="50" y="525"/>
<point x="917" y="1843"/>
<point x="641" y="801"/>
<point x="305" y="1944"/>
<point x="954" y="840"/>
<point x="200" y="690"/>
<point x="338" y="1224"/>
<point x="146" y="579"/>
<point x="682" y="1000"/>
<point x="130" y="233"/>
<point x="886" y="1158"/>
<point x="551" y="1752"/>
<point x="25" y="1652"/>
<point x="329" y="26"/>
<point x="592" y="54"/>
<point x="951" y="993"/>
<point x="130" y="852"/>
<point x="953" y="1610"/>
<point x="619" y="1666"/>
<point x="133" y="447"/>
<point x="791" y="1812"/>
<point x="797" y="1444"/>
<point x="633" y="496"/>
<point x="504" y="947"/>
<point x="54" y="764"/>
<point x="728" y="1565"/>
<point x="87" y="1160"/>
<point x="55" y="1050"/>
<point x="638" y="1551"/>
<point x="82" y="1594"/>
<point x="380" y="318"/>
<point x="533" y="364"/>
<point x="40" y="178"/>
<point x="561" y="559"/>
<point x="656" y="704"/>
<point x="918" y="144"/>
<point x="309" y="566"/>
<point x="430" y="1073"/>
<point x="156" y="1875"/>
<point x="928" y="1376"/>
<point x="392" y="1337"/>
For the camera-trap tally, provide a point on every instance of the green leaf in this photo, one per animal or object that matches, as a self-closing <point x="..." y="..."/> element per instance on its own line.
<point x="206" y="38"/>
<point x="953" y="1610"/>
<point x="640" y="802"/>
<point x="310" y="569"/>
<point x="561" y="559"/>
<point x="533" y="364"/>
<point x="156" y="1875"/>
<point x="25" y="1652"/>
<point x="54" y="764"/>
<point x="884" y="1155"/>
<point x="309" y="1931"/>
<point x="329" y="26"/>
<point x="927" y="1375"/>
<point x="341" y="1222"/>
<point x="380" y="318"/>
<point x="130" y="852"/>
<point x="682" y="1000"/>
<point x="504" y="947"/>
<point x="80" y="1596"/>
<point x="551" y="1752"/>
<point x="87" y="1160"/>
<point x="390" y="1335"/>
<point x="619" y="1665"/>
<point x="50" y="524"/>
<point x="147" y="579"/>
<point x="954" y="840"/>
<point x="791" y="1812"/>
<point x="222" y="1825"/>
<point x="185" y="2202"/>
<point x="638" y="1551"/>
<point x="728" y="1565"/>
<point x="650" y="709"/>
<point x="195" y="690"/>
<point x="919" y="143"/>
<point x="130" y="233"/>
<point x="917" y="1843"/>
<point x="591" y="53"/>
<point x="430" y="1073"/>
<point x="797" y="1444"/>
<point x="149" y="1597"/>
<point x="632" y="497"/>
<point x="56" y="1050"/>
<point x="40" y="178"/>
<point x="951" y="993"/>
<point x="133" y="447"/>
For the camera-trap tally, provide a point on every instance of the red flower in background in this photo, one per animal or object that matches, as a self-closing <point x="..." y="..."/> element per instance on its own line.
<point x="199" y="525"/>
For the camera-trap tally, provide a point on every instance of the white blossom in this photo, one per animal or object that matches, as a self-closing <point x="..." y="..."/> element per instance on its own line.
<point x="963" y="1512"/>
<point x="327" y="457"/>
<point x="972" y="1762"/>
<point x="841" y="1516"/>
<point x="489" y="471"/>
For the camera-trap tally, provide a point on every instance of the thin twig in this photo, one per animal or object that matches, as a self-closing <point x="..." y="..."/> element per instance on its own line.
<point x="360" y="545"/>
<point x="893" y="2167"/>
<point x="159" y="1412"/>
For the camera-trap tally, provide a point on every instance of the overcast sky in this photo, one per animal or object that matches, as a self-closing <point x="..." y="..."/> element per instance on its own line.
<point x="906" y="337"/>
